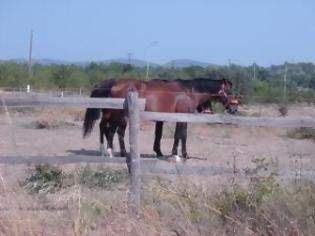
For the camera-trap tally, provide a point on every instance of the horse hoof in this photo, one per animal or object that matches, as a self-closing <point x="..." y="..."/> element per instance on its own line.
<point x="110" y="152"/>
<point x="159" y="155"/>
<point x="123" y="154"/>
<point x="177" y="158"/>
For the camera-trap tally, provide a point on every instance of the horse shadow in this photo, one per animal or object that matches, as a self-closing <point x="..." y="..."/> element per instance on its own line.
<point x="85" y="152"/>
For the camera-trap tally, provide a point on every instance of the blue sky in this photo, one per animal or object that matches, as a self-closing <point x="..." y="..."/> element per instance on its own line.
<point x="244" y="31"/>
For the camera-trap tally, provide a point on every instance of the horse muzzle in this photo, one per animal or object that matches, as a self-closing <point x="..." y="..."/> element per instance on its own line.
<point x="231" y="110"/>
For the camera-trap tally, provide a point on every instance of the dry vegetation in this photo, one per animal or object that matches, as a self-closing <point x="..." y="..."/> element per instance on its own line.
<point x="91" y="200"/>
<point x="302" y="133"/>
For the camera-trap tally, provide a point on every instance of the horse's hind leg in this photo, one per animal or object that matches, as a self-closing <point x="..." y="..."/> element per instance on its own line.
<point x="102" y="126"/>
<point x="111" y="128"/>
<point x="121" y="135"/>
<point x="180" y="134"/>
<point x="157" y="138"/>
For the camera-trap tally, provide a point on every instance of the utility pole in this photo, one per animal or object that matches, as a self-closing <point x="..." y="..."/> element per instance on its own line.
<point x="129" y="55"/>
<point x="285" y="82"/>
<point x="30" y="74"/>
<point x="146" y="57"/>
<point x="253" y="83"/>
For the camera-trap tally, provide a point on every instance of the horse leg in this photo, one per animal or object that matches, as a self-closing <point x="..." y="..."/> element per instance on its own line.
<point x="183" y="137"/>
<point x="110" y="137"/>
<point x="121" y="135"/>
<point x="102" y="126"/>
<point x="176" y="142"/>
<point x="157" y="138"/>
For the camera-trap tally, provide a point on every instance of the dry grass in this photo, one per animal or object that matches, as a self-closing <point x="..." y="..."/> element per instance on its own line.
<point x="263" y="205"/>
<point x="302" y="133"/>
<point x="56" y="118"/>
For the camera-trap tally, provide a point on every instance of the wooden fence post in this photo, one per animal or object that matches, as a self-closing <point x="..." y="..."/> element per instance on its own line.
<point x="133" y="159"/>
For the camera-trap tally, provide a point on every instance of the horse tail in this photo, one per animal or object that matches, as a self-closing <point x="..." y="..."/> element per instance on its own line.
<point x="101" y="90"/>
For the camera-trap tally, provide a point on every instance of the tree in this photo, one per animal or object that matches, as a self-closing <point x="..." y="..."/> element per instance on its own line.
<point x="61" y="75"/>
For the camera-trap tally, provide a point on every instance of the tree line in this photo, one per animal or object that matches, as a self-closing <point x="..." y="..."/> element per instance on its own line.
<point x="265" y="86"/>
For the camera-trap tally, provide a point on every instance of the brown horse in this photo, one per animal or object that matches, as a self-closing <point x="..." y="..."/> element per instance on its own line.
<point x="183" y="96"/>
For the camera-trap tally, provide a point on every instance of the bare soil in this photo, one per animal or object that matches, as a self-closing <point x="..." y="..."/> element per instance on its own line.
<point x="209" y="144"/>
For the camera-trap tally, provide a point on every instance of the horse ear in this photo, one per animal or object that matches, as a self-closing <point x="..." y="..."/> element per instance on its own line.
<point x="227" y="83"/>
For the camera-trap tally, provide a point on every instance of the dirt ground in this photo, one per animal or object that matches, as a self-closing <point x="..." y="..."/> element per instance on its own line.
<point x="214" y="145"/>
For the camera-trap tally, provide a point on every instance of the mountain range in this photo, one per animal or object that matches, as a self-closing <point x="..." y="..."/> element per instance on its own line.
<point x="178" y="63"/>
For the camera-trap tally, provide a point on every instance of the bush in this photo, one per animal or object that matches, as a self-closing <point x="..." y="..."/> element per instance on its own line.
<point x="283" y="110"/>
<point x="44" y="179"/>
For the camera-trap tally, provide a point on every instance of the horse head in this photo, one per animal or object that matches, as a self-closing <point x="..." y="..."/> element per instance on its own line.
<point x="227" y="98"/>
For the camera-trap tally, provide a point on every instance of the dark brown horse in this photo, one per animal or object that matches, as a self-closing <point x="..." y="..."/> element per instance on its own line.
<point x="179" y="96"/>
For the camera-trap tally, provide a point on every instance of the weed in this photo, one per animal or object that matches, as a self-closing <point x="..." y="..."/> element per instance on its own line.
<point x="102" y="178"/>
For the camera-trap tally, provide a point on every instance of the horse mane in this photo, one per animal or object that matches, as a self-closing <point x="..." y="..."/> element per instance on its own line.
<point x="202" y="84"/>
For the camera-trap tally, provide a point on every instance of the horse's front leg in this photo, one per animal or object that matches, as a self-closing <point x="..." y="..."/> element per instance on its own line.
<point x="157" y="138"/>
<point x="176" y="142"/>
<point x="121" y="135"/>
<point x="183" y="136"/>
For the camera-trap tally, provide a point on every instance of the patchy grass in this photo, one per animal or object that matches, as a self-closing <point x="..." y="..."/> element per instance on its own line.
<point x="302" y="133"/>
<point x="50" y="179"/>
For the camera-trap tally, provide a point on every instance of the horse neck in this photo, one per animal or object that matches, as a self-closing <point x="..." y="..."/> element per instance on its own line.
<point x="205" y="90"/>
<point x="201" y="98"/>
<point x="204" y="86"/>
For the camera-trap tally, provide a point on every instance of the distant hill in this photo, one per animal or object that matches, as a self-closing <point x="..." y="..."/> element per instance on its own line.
<point x="181" y="63"/>
<point x="134" y="62"/>
<point x="47" y="61"/>
<point x="44" y="61"/>
<point x="178" y="63"/>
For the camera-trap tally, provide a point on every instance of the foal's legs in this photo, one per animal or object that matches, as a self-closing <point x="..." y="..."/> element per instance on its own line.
<point x="180" y="134"/>
<point x="157" y="138"/>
